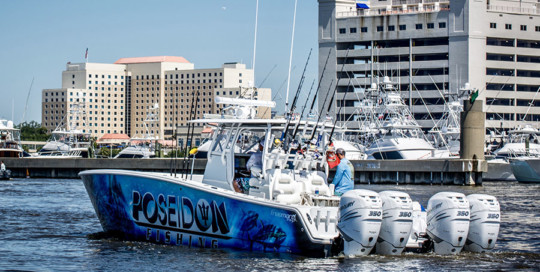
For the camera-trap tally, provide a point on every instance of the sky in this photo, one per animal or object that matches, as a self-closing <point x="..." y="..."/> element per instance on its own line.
<point x="39" y="37"/>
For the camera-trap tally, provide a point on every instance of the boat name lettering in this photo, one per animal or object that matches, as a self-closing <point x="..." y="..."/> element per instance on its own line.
<point x="180" y="213"/>
<point x="345" y="206"/>
<point x="493" y="216"/>
<point x="289" y="217"/>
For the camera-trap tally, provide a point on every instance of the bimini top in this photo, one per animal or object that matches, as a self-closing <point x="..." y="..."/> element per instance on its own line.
<point x="6" y="125"/>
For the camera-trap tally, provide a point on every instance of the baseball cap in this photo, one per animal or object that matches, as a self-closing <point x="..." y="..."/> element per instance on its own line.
<point x="340" y="151"/>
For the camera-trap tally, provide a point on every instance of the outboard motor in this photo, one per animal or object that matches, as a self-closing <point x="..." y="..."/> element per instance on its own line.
<point x="396" y="223"/>
<point x="418" y="240"/>
<point x="448" y="222"/>
<point x="484" y="224"/>
<point x="360" y="216"/>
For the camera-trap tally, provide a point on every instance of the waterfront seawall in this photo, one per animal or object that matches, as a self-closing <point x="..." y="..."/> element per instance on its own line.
<point x="449" y="171"/>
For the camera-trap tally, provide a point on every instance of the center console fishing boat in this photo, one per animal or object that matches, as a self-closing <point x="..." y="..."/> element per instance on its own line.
<point x="288" y="206"/>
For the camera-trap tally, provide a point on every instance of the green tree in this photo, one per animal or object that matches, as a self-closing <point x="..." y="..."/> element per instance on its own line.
<point x="33" y="131"/>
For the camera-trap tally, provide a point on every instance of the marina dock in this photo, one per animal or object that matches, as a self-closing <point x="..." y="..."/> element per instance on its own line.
<point x="441" y="171"/>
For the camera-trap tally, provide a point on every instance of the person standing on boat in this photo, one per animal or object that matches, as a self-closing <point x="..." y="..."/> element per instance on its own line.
<point x="343" y="179"/>
<point x="3" y="167"/>
<point x="254" y="163"/>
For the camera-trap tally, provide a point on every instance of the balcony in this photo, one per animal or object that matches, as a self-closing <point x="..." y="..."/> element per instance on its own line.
<point x="515" y="10"/>
<point x="425" y="7"/>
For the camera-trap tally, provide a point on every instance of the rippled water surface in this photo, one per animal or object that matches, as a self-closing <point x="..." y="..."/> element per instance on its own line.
<point x="49" y="224"/>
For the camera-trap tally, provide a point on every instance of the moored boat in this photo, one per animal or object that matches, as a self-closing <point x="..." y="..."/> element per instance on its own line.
<point x="10" y="138"/>
<point x="526" y="169"/>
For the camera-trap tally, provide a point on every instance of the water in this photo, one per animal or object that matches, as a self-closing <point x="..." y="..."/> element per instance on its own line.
<point x="50" y="225"/>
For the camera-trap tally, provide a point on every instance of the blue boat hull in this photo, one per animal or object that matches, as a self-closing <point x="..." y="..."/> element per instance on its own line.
<point x="158" y="209"/>
<point x="526" y="171"/>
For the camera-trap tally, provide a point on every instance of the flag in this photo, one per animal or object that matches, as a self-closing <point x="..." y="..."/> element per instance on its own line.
<point x="474" y="95"/>
<point x="86" y="54"/>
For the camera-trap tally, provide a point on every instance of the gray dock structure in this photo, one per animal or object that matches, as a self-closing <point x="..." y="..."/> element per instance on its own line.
<point x="449" y="171"/>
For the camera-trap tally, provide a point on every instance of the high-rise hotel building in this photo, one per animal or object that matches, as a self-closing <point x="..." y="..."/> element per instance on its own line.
<point x="430" y="49"/>
<point x="117" y="97"/>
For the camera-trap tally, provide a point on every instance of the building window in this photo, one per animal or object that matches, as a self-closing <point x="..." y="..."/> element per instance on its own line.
<point x="364" y="29"/>
<point x="352" y="30"/>
<point x="492" y="25"/>
<point x="391" y="28"/>
<point x="430" y="25"/>
<point x="342" y="31"/>
<point x="419" y="26"/>
<point x="402" y="27"/>
<point x="537" y="28"/>
<point x="380" y="28"/>
<point x="508" y="26"/>
<point x="442" y="24"/>
<point x="523" y="27"/>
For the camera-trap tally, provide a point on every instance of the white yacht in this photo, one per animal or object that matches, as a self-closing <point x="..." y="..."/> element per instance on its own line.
<point x="69" y="139"/>
<point x="10" y="139"/>
<point x="143" y="147"/>
<point x="521" y="141"/>
<point x="398" y="134"/>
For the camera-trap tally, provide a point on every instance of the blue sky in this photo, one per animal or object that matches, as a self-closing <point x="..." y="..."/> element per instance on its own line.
<point x="40" y="37"/>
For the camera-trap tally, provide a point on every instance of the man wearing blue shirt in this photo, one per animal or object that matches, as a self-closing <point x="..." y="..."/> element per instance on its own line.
<point x="343" y="179"/>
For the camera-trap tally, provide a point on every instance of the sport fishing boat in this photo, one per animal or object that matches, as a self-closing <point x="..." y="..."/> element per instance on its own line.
<point x="10" y="139"/>
<point x="288" y="206"/>
<point x="399" y="136"/>
<point x="446" y="133"/>
<point x="521" y="142"/>
<point x="72" y="143"/>
<point x="143" y="147"/>
<point x="69" y="140"/>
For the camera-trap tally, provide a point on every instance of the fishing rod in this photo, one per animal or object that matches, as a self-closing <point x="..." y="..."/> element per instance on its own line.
<point x="293" y="105"/>
<point x="331" y="101"/>
<point x="267" y="75"/>
<point x="300" y="84"/>
<point x="318" y="88"/>
<point x="339" y="111"/>
<point x="192" y="132"/>
<point x="321" y="113"/>
<point x="320" y="80"/>
<point x="303" y="108"/>
<point x="188" y="132"/>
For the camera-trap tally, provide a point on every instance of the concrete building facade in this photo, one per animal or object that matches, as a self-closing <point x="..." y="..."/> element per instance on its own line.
<point x="117" y="97"/>
<point x="430" y="49"/>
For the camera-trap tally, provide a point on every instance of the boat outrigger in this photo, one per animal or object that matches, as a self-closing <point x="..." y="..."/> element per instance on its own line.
<point x="287" y="205"/>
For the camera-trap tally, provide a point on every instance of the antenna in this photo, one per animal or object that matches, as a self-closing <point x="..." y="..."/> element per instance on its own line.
<point x="255" y="40"/>
<point x="27" y="98"/>
<point x="290" y="59"/>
